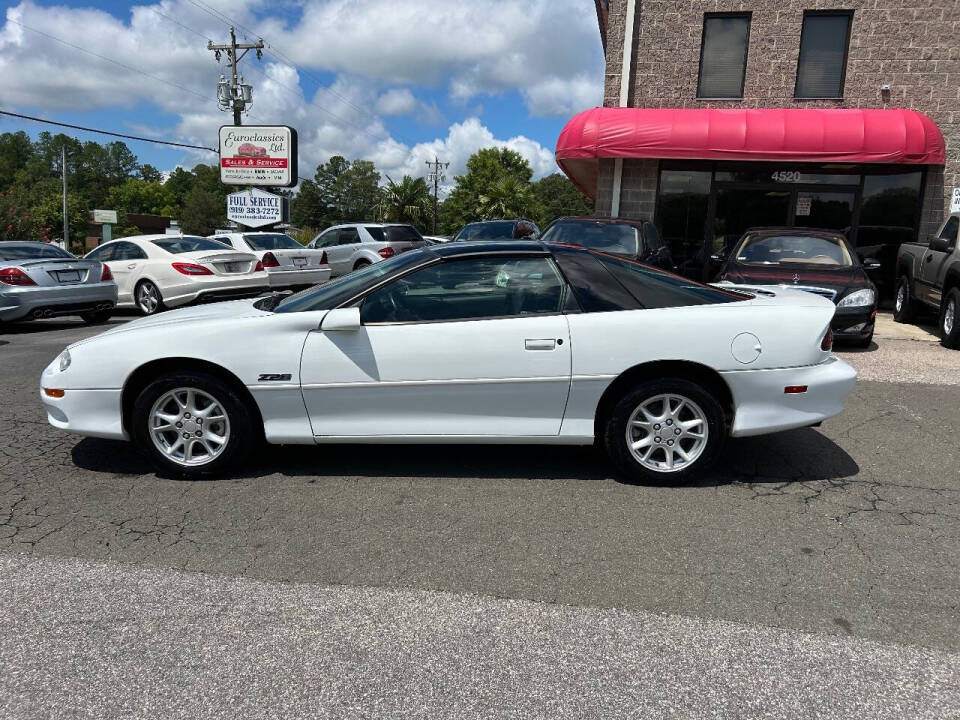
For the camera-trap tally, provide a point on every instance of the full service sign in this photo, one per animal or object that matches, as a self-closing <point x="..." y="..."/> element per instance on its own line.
<point x="254" y="208"/>
<point x="258" y="155"/>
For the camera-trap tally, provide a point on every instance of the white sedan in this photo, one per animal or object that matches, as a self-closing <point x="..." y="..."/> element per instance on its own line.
<point x="502" y="342"/>
<point x="288" y="263"/>
<point x="155" y="272"/>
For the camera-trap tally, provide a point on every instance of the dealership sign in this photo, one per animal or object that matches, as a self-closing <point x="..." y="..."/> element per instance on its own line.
<point x="255" y="208"/>
<point x="258" y="155"/>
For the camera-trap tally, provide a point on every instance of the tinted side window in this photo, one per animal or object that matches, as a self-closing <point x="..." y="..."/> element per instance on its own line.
<point x="469" y="289"/>
<point x="651" y="237"/>
<point x="103" y="253"/>
<point x="949" y="231"/>
<point x="595" y="288"/>
<point x="127" y="251"/>
<point x="657" y="289"/>
<point x="325" y="239"/>
<point x="348" y="236"/>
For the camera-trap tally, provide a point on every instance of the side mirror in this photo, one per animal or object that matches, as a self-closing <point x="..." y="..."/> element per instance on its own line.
<point x="871" y="264"/>
<point x="939" y="244"/>
<point x="341" y="319"/>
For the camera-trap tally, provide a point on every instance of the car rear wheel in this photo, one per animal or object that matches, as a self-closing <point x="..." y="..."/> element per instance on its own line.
<point x="665" y="431"/>
<point x="949" y="320"/>
<point x="148" y="298"/>
<point x="360" y="264"/>
<point x="95" y="318"/>
<point x="903" y="310"/>
<point x="192" y="424"/>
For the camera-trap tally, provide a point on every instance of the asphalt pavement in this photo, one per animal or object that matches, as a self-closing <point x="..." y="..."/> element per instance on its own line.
<point x="815" y="573"/>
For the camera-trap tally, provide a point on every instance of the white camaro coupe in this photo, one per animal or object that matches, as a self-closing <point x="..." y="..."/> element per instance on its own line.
<point x="501" y="342"/>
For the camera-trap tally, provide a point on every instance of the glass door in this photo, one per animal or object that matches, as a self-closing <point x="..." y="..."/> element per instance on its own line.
<point x="824" y="210"/>
<point x="739" y="208"/>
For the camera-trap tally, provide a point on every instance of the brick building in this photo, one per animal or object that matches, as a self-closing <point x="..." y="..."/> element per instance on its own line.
<point x="836" y="113"/>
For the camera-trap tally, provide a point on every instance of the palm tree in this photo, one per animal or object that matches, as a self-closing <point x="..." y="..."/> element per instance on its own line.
<point x="407" y="201"/>
<point x="508" y="197"/>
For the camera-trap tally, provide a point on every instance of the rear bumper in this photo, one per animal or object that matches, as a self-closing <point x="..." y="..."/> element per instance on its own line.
<point x="280" y="278"/>
<point x="762" y="406"/>
<point x="217" y="288"/>
<point x="17" y="303"/>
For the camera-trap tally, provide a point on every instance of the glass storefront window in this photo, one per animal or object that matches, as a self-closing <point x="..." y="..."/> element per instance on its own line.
<point x="889" y="212"/>
<point x="825" y="210"/>
<point x="682" y="216"/>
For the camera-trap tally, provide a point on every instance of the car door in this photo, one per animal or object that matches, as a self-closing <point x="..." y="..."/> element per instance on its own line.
<point x="466" y="347"/>
<point x="327" y="241"/>
<point x="341" y="255"/>
<point x="930" y="276"/>
<point x="126" y="264"/>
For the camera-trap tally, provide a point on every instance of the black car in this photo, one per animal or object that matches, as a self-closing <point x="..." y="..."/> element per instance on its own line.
<point x="634" y="239"/>
<point x="818" y="261"/>
<point x="517" y="229"/>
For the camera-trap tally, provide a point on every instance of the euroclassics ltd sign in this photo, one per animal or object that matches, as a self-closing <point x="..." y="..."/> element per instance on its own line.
<point x="255" y="208"/>
<point x="258" y="155"/>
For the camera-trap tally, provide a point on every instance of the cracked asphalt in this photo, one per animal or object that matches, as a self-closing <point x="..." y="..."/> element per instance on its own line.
<point x="844" y="534"/>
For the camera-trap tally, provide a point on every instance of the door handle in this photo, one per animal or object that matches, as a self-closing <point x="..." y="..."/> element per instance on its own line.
<point x="131" y="267"/>
<point x="540" y="343"/>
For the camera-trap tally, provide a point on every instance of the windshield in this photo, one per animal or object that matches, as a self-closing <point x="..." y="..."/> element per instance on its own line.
<point x="394" y="233"/>
<point x="30" y="251"/>
<point x="336" y="292"/>
<point x="616" y="239"/>
<point x="494" y="230"/>
<point x="793" y="250"/>
<point x="273" y="241"/>
<point x="187" y="243"/>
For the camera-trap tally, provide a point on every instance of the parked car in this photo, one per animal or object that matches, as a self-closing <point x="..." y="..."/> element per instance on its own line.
<point x="534" y="343"/>
<point x="928" y="276"/>
<point x="39" y="280"/>
<point x="822" y="262"/>
<point x="487" y="230"/>
<point x="356" y="245"/>
<point x="155" y="272"/>
<point x="288" y="263"/>
<point x="635" y="239"/>
<point x="251" y="150"/>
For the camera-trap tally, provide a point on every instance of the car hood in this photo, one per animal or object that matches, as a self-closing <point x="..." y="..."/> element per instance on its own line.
<point x="193" y="314"/>
<point x="832" y="278"/>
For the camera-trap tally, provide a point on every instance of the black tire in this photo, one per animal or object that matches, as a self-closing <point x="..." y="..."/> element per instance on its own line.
<point x="145" y="286"/>
<point x="904" y="309"/>
<point x="95" y="318"/>
<point x="615" y="433"/>
<point x="241" y="422"/>
<point x="360" y="264"/>
<point x="950" y="319"/>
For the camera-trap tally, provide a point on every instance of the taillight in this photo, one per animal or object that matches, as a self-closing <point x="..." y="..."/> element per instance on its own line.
<point x="258" y="267"/>
<point x="191" y="269"/>
<point x="270" y="260"/>
<point x="323" y="258"/>
<point x="386" y="252"/>
<point x="105" y="273"/>
<point x="15" y="276"/>
<point x="827" y="343"/>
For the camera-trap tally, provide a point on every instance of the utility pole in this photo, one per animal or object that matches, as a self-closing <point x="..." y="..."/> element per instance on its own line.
<point x="235" y="95"/>
<point x="436" y="175"/>
<point x="66" y="221"/>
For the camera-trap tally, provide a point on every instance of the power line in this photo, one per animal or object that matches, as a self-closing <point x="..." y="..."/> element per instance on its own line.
<point x="108" y="132"/>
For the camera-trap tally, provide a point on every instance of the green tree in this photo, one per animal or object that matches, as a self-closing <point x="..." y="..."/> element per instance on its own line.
<point x="407" y="201"/>
<point x="307" y="209"/>
<point x="356" y="192"/>
<point x="203" y="212"/>
<point x="485" y="169"/>
<point x="506" y="197"/>
<point x="141" y="196"/>
<point x="557" y="197"/>
<point x="47" y="212"/>
<point x="150" y="173"/>
<point x="16" y="151"/>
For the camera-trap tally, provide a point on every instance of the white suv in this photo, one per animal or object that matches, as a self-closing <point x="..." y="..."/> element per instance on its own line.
<point x="348" y="247"/>
<point x="288" y="263"/>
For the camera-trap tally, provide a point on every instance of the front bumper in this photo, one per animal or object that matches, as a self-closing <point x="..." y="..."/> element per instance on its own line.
<point x="17" y="303"/>
<point x="291" y="278"/>
<point x="762" y="406"/>
<point x="855" y="323"/>
<point x="95" y="413"/>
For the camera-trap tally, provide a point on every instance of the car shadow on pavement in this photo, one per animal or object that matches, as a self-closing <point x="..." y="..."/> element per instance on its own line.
<point x="789" y="456"/>
<point x="844" y="349"/>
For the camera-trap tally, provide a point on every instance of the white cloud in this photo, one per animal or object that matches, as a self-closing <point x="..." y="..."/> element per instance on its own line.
<point x="397" y="101"/>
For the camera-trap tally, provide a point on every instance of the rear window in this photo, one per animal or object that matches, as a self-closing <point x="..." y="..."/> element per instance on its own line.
<point x="273" y="241"/>
<point x="607" y="237"/>
<point x="187" y="243"/>
<point x="394" y="233"/>
<point x="31" y="251"/>
<point x="494" y="230"/>
<point x="655" y="288"/>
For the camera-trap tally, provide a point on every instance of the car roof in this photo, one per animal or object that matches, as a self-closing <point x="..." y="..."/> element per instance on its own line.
<point x="780" y="230"/>
<point x="602" y="220"/>
<point x="474" y="247"/>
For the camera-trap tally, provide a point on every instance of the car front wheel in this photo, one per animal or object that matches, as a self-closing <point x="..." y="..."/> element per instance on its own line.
<point x="665" y="432"/>
<point x="949" y="322"/>
<point x="903" y="305"/>
<point x="192" y="424"/>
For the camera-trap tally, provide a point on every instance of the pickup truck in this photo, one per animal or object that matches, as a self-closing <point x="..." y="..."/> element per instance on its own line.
<point x="928" y="275"/>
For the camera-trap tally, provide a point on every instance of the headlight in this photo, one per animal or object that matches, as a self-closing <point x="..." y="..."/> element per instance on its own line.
<point x="64" y="360"/>
<point x="860" y="298"/>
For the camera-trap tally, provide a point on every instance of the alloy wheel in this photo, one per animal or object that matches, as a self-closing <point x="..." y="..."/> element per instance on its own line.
<point x="148" y="298"/>
<point x="949" y="315"/>
<point x="901" y="292"/>
<point x="189" y="426"/>
<point x="667" y="433"/>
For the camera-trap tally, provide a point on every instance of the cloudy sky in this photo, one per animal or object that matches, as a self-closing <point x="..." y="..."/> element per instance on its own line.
<point x="392" y="81"/>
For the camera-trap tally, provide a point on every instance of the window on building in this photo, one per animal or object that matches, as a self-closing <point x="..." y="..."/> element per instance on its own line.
<point x="823" y="54"/>
<point x="723" y="55"/>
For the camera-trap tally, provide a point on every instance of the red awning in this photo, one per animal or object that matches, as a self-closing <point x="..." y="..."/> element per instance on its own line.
<point x="774" y="135"/>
